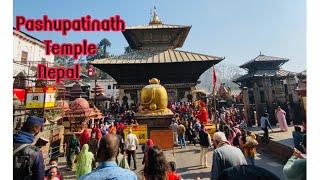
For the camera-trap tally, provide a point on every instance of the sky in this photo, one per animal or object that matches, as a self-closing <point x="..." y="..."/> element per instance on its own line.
<point x="236" y="30"/>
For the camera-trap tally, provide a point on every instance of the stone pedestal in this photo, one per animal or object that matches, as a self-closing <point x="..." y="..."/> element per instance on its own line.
<point x="159" y="122"/>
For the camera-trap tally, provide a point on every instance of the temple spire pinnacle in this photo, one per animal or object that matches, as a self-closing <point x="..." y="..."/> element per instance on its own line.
<point x="154" y="17"/>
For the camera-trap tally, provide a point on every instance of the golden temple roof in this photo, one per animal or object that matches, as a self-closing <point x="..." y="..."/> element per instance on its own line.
<point x="157" y="26"/>
<point x="157" y="56"/>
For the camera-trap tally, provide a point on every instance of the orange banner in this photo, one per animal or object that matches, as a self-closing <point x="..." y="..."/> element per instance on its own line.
<point x="162" y="138"/>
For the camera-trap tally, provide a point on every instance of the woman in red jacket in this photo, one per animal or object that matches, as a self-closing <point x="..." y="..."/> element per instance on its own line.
<point x="84" y="137"/>
<point x="203" y="113"/>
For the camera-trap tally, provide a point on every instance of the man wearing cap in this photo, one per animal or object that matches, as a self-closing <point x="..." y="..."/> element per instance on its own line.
<point x="225" y="155"/>
<point x="28" y="159"/>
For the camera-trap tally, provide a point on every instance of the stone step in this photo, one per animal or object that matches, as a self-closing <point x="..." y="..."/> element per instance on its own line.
<point x="275" y="149"/>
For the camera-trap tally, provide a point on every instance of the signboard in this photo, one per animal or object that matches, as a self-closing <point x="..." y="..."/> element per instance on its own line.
<point x="211" y="128"/>
<point x="162" y="138"/>
<point x="35" y="97"/>
<point x="141" y="131"/>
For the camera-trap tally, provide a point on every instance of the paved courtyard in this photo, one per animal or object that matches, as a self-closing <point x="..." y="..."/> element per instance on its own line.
<point x="188" y="163"/>
<point x="284" y="138"/>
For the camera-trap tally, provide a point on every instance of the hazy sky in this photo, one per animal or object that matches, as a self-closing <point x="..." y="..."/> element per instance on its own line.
<point x="235" y="29"/>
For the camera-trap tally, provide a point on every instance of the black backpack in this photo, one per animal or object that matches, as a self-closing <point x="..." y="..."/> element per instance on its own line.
<point x="23" y="159"/>
<point x="203" y="139"/>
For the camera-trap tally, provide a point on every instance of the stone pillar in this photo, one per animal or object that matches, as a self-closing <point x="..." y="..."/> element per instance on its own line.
<point x="245" y="99"/>
<point x="257" y="100"/>
<point x="291" y="83"/>
<point x="267" y="86"/>
<point x="121" y="95"/>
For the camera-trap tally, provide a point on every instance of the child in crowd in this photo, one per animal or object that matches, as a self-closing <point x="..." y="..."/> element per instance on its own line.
<point x="249" y="148"/>
<point x="297" y="137"/>
<point x="172" y="175"/>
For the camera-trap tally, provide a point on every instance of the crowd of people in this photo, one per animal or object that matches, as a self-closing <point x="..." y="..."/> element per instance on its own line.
<point x="101" y="151"/>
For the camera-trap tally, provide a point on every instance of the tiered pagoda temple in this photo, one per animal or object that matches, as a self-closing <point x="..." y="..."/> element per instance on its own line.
<point x="267" y="86"/>
<point x="62" y="93"/>
<point x="154" y="55"/>
<point x="76" y="92"/>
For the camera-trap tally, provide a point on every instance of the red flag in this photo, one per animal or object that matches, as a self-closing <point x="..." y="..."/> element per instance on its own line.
<point x="91" y="71"/>
<point x="20" y="94"/>
<point x="214" y="78"/>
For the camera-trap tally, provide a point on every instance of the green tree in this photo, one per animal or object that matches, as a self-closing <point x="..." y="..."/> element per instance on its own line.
<point x="101" y="53"/>
<point x="104" y="43"/>
<point x="82" y="60"/>
<point x="127" y="50"/>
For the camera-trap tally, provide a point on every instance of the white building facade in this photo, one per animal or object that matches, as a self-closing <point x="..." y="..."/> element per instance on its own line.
<point x="110" y="86"/>
<point x="28" y="52"/>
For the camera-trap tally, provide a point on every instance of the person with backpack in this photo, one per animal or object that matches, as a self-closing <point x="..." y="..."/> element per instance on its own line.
<point x="265" y="124"/>
<point x="205" y="143"/>
<point x="73" y="148"/>
<point x="28" y="160"/>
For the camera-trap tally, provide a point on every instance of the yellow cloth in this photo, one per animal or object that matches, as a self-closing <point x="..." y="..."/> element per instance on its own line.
<point x="84" y="161"/>
<point x="249" y="148"/>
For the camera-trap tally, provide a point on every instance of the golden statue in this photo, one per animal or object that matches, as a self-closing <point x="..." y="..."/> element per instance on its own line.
<point x="154" y="99"/>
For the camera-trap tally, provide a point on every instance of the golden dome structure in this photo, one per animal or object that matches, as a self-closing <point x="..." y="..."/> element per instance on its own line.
<point x="154" y="99"/>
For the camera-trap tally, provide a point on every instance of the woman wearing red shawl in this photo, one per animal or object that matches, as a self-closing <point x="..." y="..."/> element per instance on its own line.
<point x="203" y="113"/>
<point x="149" y="144"/>
<point x="120" y="126"/>
<point x="112" y="129"/>
<point x="98" y="132"/>
<point x="84" y="137"/>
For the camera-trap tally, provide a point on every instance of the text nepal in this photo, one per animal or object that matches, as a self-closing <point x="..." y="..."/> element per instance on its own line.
<point x="58" y="73"/>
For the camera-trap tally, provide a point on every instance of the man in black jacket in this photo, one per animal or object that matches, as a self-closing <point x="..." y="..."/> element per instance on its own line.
<point x="205" y="143"/>
<point x="28" y="159"/>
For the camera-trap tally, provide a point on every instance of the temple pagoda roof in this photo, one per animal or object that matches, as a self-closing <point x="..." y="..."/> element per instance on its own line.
<point x="157" y="56"/>
<point x="154" y="55"/>
<point x="157" y="26"/>
<point x="265" y="73"/>
<point x="72" y="83"/>
<point x="156" y="34"/>
<point x="264" y="59"/>
<point x="302" y="74"/>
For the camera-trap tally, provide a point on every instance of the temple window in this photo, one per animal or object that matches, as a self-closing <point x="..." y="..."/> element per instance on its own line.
<point x="24" y="57"/>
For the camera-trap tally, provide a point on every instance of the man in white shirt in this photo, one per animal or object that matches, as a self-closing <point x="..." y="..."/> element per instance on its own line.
<point x="131" y="146"/>
<point x="174" y="127"/>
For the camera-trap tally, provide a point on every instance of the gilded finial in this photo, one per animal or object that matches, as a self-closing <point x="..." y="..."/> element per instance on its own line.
<point x="154" y="17"/>
<point x="154" y="81"/>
